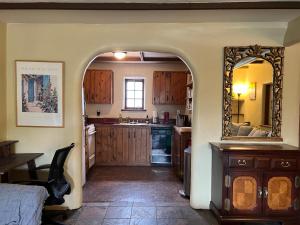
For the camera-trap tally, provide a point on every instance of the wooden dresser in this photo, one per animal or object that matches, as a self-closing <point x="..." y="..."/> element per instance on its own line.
<point x="255" y="183"/>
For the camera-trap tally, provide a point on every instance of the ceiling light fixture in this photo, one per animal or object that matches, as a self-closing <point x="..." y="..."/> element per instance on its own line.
<point x="120" y="55"/>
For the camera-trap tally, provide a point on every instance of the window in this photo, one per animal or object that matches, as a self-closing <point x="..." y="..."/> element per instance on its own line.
<point x="134" y="94"/>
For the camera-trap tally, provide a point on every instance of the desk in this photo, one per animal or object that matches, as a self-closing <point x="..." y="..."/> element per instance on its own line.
<point x="9" y="161"/>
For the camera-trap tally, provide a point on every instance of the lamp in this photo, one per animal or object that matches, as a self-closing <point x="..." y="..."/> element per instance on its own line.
<point x="239" y="89"/>
<point x="120" y="55"/>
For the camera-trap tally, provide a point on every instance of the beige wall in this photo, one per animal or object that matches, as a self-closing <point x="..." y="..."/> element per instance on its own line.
<point x="199" y="44"/>
<point x="3" y="81"/>
<point x="260" y="74"/>
<point x="122" y="70"/>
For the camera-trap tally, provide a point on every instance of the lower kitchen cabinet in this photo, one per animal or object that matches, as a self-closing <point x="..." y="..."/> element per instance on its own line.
<point x="180" y="142"/>
<point x="122" y="145"/>
<point x="256" y="183"/>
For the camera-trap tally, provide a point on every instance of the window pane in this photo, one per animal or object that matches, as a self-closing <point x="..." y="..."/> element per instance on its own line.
<point x="130" y="85"/>
<point x="130" y="103"/>
<point x="138" y="85"/>
<point x="139" y="94"/>
<point x="130" y="94"/>
<point x="138" y="103"/>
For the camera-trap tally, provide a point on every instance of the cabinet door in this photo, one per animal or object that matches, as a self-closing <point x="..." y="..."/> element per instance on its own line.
<point x="178" y="88"/>
<point x="131" y="145"/>
<point x="103" y="86"/>
<point x="142" y="150"/>
<point x="281" y="192"/>
<point x="176" y="154"/>
<point x="105" y="145"/>
<point x="92" y="87"/>
<point x="117" y="145"/>
<point x="168" y="88"/>
<point x="156" y="87"/>
<point x="245" y="193"/>
<point x="87" y="86"/>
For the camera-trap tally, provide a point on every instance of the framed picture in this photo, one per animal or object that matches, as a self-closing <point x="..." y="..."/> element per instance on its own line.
<point x="252" y="91"/>
<point x="39" y="86"/>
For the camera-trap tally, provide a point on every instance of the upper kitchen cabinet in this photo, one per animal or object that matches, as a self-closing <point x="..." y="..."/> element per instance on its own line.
<point x="169" y="88"/>
<point x="98" y="86"/>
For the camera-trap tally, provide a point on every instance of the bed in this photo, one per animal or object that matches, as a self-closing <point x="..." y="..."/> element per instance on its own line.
<point x="21" y="204"/>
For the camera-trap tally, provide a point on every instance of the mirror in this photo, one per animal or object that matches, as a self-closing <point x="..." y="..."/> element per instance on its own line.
<point x="252" y="92"/>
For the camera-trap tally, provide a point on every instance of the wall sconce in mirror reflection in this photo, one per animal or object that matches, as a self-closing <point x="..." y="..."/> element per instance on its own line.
<point x="239" y="89"/>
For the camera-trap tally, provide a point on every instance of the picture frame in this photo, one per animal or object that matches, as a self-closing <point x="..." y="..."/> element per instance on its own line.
<point x="252" y="91"/>
<point x="39" y="93"/>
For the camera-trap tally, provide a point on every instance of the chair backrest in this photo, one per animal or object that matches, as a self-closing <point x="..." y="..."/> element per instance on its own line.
<point x="57" y="165"/>
<point x="58" y="186"/>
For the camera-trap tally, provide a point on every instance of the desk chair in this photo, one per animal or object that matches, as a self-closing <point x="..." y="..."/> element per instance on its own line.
<point x="56" y="185"/>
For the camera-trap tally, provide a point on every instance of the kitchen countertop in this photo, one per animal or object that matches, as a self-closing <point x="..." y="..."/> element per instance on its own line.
<point x="135" y="124"/>
<point x="183" y="129"/>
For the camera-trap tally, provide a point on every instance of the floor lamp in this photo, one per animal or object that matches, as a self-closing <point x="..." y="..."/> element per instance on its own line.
<point x="239" y="89"/>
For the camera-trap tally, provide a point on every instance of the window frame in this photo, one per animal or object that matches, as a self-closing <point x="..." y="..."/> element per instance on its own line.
<point x="135" y="79"/>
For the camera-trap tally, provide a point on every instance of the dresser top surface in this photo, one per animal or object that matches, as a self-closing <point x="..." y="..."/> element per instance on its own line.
<point x="232" y="147"/>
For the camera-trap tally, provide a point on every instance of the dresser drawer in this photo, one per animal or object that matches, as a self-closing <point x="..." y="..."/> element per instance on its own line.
<point x="262" y="163"/>
<point x="288" y="164"/>
<point x="240" y="162"/>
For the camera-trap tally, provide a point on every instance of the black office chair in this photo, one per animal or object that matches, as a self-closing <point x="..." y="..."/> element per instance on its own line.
<point x="57" y="185"/>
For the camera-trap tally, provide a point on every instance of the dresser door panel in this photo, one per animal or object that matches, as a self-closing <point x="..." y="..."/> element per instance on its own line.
<point x="280" y="193"/>
<point x="245" y="193"/>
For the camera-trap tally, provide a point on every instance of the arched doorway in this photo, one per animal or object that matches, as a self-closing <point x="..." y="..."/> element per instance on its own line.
<point x="164" y="88"/>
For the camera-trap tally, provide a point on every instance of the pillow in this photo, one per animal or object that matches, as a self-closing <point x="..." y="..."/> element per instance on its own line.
<point x="260" y="133"/>
<point x="244" y="130"/>
<point x="252" y="132"/>
<point x="235" y="128"/>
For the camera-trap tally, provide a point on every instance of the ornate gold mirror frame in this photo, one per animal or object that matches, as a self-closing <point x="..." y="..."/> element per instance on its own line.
<point x="233" y="55"/>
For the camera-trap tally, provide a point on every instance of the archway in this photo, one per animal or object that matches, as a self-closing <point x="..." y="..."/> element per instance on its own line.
<point x="187" y="99"/>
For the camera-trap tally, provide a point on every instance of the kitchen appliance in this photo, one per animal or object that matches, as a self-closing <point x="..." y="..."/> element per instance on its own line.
<point x="166" y="117"/>
<point x="155" y="117"/>
<point x="181" y="120"/>
<point x="185" y="192"/>
<point x="161" y="145"/>
<point x="90" y="146"/>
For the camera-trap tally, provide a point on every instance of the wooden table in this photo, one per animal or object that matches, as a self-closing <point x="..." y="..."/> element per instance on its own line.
<point x="9" y="160"/>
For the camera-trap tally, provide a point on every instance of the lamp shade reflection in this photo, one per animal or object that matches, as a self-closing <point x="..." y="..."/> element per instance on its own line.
<point x="240" y="89"/>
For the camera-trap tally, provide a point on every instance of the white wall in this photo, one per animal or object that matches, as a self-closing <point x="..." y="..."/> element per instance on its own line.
<point x="122" y="70"/>
<point x="200" y="44"/>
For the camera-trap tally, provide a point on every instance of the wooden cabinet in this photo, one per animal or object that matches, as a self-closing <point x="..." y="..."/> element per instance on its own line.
<point x="122" y="145"/>
<point x="98" y="86"/>
<point x="255" y="183"/>
<point x="181" y="142"/>
<point x="169" y="88"/>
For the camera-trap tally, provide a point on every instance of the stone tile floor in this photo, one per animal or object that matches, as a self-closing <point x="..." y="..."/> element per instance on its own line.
<point x="138" y="213"/>
<point x="135" y="196"/>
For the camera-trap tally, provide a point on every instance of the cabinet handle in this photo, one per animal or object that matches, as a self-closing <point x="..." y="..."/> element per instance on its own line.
<point x="266" y="193"/>
<point x="242" y="162"/>
<point x="259" y="192"/>
<point x="128" y="134"/>
<point x="134" y="134"/>
<point x="285" y="164"/>
<point x="167" y="98"/>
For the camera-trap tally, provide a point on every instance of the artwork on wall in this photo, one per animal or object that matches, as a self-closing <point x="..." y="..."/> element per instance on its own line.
<point x="40" y="93"/>
<point x="252" y="91"/>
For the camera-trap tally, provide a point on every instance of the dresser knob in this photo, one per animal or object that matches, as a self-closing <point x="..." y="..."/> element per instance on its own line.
<point x="242" y="162"/>
<point x="285" y="164"/>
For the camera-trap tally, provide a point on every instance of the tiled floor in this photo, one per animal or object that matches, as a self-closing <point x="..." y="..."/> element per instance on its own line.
<point x="136" y="196"/>
<point x="134" y="184"/>
<point x="106" y="213"/>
